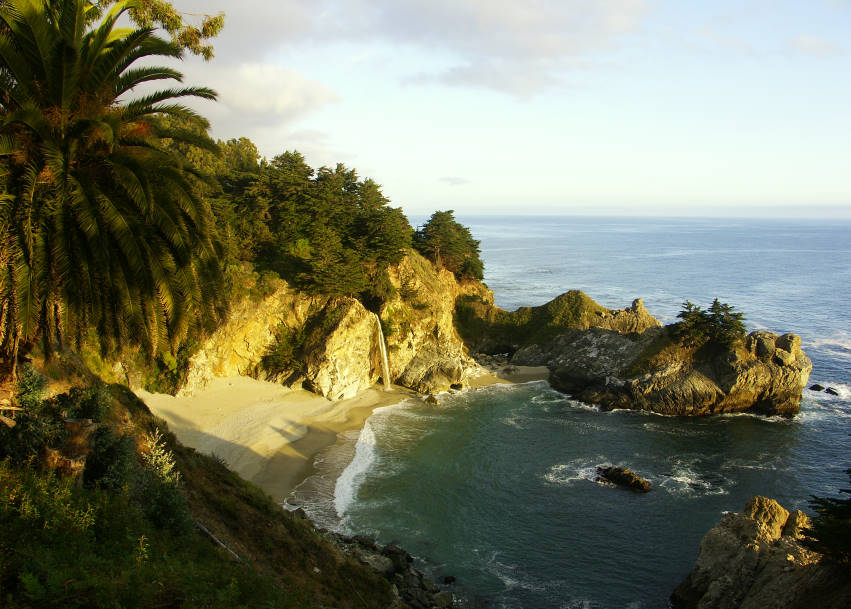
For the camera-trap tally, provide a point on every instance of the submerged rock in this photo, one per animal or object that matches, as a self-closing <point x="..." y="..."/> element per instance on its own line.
<point x="755" y="559"/>
<point x="623" y="477"/>
<point x="831" y="391"/>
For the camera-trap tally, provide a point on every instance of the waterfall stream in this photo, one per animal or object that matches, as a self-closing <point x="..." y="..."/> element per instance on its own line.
<point x="385" y="365"/>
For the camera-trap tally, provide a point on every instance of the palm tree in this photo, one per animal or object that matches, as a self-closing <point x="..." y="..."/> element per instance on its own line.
<point x="100" y="223"/>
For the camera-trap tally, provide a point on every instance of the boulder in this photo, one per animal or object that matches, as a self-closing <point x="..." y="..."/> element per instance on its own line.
<point x="831" y="391"/>
<point x="816" y="387"/>
<point x="623" y="477"/>
<point x="755" y="559"/>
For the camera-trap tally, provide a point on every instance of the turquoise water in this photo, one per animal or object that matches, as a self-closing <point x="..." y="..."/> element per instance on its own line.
<point x="496" y="486"/>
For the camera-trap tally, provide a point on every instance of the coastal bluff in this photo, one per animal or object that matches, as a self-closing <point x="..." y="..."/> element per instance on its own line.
<point x="755" y="559"/>
<point x="332" y="345"/>
<point x="626" y="359"/>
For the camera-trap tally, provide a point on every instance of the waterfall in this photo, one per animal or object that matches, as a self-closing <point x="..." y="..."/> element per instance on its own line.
<point x="382" y="347"/>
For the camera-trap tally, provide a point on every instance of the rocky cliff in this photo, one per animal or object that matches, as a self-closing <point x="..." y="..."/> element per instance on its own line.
<point x="332" y="345"/>
<point x="626" y="359"/>
<point x="754" y="559"/>
<point x="488" y="329"/>
<point x="765" y="373"/>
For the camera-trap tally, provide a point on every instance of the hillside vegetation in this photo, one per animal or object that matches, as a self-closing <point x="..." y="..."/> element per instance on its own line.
<point x="136" y="527"/>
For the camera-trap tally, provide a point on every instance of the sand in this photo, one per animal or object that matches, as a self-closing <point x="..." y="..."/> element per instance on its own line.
<point x="270" y="434"/>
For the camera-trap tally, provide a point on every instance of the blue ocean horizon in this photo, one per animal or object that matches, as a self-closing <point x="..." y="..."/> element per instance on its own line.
<point x="496" y="487"/>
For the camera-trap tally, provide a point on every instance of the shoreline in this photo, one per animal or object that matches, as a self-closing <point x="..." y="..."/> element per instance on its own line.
<point x="270" y="434"/>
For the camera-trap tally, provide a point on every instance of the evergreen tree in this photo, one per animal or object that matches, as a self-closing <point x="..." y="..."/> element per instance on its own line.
<point x="720" y="325"/>
<point x="449" y="245"/>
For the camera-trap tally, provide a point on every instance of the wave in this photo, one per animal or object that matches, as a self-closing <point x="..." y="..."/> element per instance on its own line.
<point x="346" y="488"/>
<point x="566" y="474"/>
<point x="684" y="481"/>
<point x="838" y="345"/>
<point x="366" y="454"/>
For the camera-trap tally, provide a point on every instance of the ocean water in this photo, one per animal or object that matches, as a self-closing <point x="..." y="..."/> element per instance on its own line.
<point x="496" y="486"/>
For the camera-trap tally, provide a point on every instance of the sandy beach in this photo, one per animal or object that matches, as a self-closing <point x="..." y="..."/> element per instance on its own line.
<point x="270" y="434"/>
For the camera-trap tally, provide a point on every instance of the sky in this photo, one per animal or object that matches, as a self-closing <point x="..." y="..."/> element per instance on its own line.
<point x="627" y="107"/>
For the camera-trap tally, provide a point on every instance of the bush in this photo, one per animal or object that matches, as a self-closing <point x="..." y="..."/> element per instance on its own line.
<point x="159" y="487"/>
<point x="39" y="424"/>
<point x="171" y="370"/>
<point x="284" y="355"/>
<point x="112" y="464"/>
<point x="91" y="402"/>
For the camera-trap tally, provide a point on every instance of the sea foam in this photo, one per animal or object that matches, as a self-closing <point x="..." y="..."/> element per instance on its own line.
<point x="353" y="476"/>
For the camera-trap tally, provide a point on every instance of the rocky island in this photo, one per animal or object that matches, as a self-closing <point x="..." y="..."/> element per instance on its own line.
<point x="627" y="359"/>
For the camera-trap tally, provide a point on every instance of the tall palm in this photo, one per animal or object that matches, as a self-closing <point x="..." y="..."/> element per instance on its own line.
<point x="100" y="224"/>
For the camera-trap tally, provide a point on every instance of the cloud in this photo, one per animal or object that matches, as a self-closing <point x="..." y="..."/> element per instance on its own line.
<point x="813" y="45"/>
<point x="261" y="101"/>
<point x="265" y="92"/>
<point x="507" y="45"/>
<point x="454" y="180"/>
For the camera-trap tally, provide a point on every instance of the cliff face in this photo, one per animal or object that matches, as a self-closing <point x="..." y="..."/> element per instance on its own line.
<point x="332" y="344"/>
<point x="237" y="346"/>
<point x="425" y="351"/>
<point x="754" y="560"/>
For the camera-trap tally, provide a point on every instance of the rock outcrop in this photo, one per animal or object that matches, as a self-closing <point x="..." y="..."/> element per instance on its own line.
<point x="334" y="343"/>
<point x="623" y="477"/>
<point x="525" y="332"/>
<point x="425" y="351"/>
<point x="411" y="587"/>
<point x="765" y="374"/>
<point x="754" y="559"/>
<point x="626" y="359"/>
<point x="238" y="345"/>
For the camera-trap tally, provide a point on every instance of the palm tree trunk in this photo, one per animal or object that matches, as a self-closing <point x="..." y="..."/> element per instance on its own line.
<point x="14" y="373"/>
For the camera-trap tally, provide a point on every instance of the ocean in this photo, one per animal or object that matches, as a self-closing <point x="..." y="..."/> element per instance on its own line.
<point x="496" y="486"/>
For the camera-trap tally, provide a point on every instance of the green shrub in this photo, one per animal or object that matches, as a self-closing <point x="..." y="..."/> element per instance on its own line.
<point x="284" y="354"/>
<point x="91" y="402"/>
<point x="112" y="464"/>
<point x="30" y="389"/>
<point x="39" y="424"/>
<point x="170" y="369"/>
<point x="159" y="487"/>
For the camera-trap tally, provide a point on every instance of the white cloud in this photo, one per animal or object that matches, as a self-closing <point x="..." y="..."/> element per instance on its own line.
<point x="265" y="92"/>
<point x="814" y="45"/>
<point x="527" y="41"/>
<point x="260" y="101"/>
